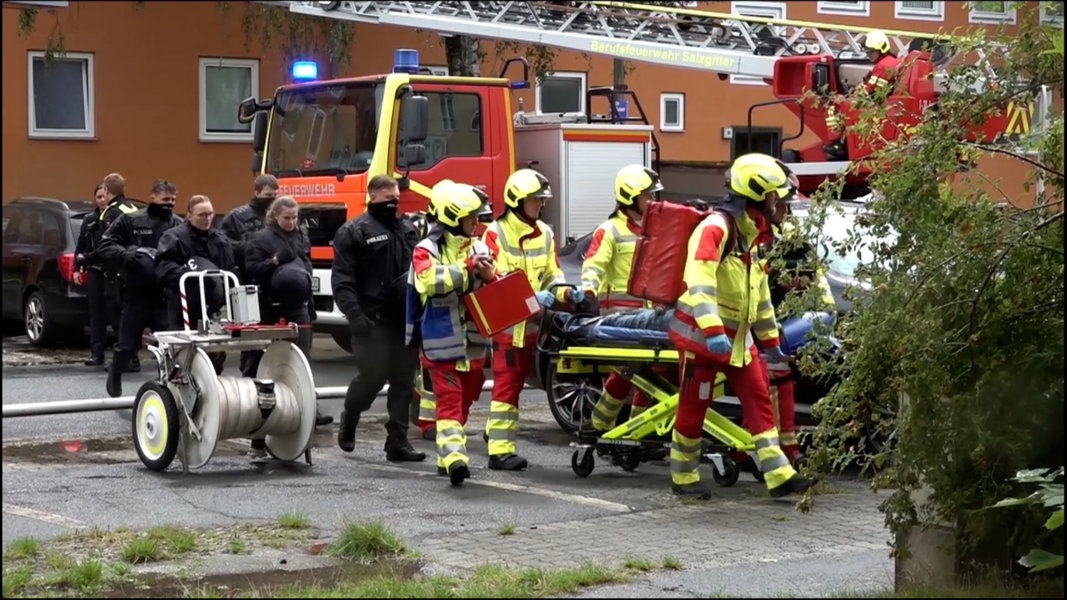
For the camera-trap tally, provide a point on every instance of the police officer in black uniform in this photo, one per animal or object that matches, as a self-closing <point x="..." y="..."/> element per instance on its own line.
<point x="129" y="248"/>
<point x="103" y="285"/>
<point x="372" y="255"/>
<point x="193" y="246"/>
<point x="239" y="224"/>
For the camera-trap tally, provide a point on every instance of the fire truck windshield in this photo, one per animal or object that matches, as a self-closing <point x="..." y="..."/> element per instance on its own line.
<point x="324" y="129"/>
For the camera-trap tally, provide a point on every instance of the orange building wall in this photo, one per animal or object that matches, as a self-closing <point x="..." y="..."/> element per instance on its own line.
<point x="146" y="94"/>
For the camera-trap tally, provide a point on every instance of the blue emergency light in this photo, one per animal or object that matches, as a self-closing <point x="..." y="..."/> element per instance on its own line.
<point x="305" y="70"/>
<point x="406" y="61"/>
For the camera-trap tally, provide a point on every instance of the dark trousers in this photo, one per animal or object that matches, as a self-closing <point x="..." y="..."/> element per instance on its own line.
<point x="381" y="356"/>
<point x="139" y="310"/>
<point x="104" y="310"/>
<point x="299" y="314"/>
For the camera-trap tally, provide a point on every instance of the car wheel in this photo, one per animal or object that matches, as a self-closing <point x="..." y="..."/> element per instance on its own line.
<point x="40" y="329"/>
<point x="571" y="398"/>
<point x="343" y="339"/>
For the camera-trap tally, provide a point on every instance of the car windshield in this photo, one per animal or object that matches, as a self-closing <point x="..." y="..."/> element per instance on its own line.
<point x="327" y="129"/>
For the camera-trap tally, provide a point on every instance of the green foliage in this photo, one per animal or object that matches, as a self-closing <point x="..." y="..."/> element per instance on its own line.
<point x="1049" y="494"/>
<point x="297" y="35"/>
<point x="27" y="23"/>
<point x="955" y="351"/>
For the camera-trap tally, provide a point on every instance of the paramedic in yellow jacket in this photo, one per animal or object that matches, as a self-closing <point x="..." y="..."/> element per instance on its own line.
<point x="427" y="413"/>
<point x="727" y="298"/>
<point x="520" y="241"/>
<point x="447" y="264"/>
<point x="606" y="274"/>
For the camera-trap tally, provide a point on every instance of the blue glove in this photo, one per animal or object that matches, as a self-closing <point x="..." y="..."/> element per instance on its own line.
<point x="575" y="295"/>
<point x="719" y="344"/>
<point x="775" y="355"/>
<point x="546" y="299"/>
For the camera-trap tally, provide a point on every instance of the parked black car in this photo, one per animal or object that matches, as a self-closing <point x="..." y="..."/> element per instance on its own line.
<point x="39" y="291"/>
<point x="571" y="399"/>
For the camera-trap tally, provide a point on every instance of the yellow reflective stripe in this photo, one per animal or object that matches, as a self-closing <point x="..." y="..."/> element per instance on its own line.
<point x="502" y="425"/>
<point x="427" y="408"/>
<point x="773" y="463"/>
<point x="606" y="411"/>
<point x="685" y="459"/>
<point x="447" y="278"/>
<point x="451" y="443"/>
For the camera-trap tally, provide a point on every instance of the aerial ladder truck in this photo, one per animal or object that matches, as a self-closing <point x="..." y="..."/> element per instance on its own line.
<point x="324" y="139"/>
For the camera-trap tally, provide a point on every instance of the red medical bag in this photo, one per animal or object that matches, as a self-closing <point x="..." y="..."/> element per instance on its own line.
<point x="508" y="301"/>
<point x="659" y="257"/>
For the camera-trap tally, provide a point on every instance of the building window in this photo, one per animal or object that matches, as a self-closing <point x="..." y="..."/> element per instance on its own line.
<point x="672" y="112"/>
<point x="560" y="92"/>
<point x="224" y="82"/>
<point x="1052" y="13"/>
<point x="61" y="96"/>
<point x="767" y="140"/>
<point x="862" y="9"/>
<point x="771" y="10"/>
<point x="992" y="12"/>
<point x="920" y="11"/>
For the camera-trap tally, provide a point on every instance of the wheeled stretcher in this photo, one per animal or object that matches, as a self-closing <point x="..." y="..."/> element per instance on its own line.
<point x="635" y="345"/>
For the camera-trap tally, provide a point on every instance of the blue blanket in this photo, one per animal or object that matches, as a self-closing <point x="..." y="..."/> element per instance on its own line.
<point x="638" y="326"/>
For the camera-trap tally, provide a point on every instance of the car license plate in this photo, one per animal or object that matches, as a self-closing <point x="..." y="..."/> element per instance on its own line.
<point x="314" y="285"/>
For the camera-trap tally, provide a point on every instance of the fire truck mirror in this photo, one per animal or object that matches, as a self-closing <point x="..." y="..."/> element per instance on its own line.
<point x="414" y="118"/>
<point x="246" y="110"/>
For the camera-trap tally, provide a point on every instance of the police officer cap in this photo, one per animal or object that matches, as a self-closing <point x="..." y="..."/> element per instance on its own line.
<point x="290" y="284"/>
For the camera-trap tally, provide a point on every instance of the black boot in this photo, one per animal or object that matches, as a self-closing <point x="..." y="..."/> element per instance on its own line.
<point x="119" y="364"/>
<point x="430" y="434"/>
<point x="134" y="366"/>
<point x="507" y="462"/>
<point x="457" y="473"/>
<point x="403" y="452"/>
<point x="696" y="491"/>
<point x="321" y="419"/>
<point x="797" y="484"/>
<point x="346" y="433"/>
<point x="95" y="361"/>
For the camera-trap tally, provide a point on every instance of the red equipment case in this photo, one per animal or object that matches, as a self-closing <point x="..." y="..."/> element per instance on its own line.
<point x="508" y="301"/>
<point x="661" y="251"/>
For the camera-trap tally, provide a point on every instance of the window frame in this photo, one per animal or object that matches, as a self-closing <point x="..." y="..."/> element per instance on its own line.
<point x="861" y="8"/>
<point x="1052" y="21"/>
<point x="757" y="9"/>
<point x="579" y="75"/>
<point x="1007" y="16"/>
<point x="437" y="70"/>
<point x="87" y="61"/>
<point x="252" y="64"/>
<point x="483" y="142"/>
<point x="735" y="145"/>
<point x="663" y="99"/>
<point x="936" y="12"/>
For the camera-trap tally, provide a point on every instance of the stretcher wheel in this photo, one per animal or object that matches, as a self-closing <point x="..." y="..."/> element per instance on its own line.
<point x="583" y="464"/>
<point x="729" y="475"/>
<point x="156" y="430"/>
<point x="630" y="461"/>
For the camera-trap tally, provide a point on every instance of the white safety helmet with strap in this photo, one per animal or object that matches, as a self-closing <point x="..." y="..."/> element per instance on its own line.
<point x="877" y="41"/>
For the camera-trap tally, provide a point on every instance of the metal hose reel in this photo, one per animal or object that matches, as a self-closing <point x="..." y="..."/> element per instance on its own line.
<point x="189" y="409"/>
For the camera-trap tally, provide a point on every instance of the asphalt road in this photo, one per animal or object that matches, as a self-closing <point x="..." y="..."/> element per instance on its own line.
<point x="59" y="477"/>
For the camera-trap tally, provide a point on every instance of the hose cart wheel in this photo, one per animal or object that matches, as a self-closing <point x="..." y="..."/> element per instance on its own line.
<point x="155" y="426"/>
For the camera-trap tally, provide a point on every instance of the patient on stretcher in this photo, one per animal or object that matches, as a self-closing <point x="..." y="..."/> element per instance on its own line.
<point x="641" y="326"/>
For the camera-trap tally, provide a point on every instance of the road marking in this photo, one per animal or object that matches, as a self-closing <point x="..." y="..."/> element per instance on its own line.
<point x="524" y="489"/>
<point x="40" y="515"/>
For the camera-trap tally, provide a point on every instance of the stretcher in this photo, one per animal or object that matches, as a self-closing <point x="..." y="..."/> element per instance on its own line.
<point x="636" y="346"/>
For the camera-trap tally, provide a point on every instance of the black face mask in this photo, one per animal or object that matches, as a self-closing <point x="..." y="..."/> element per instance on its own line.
<point x="161" y="210"/>
<point x="386" y="210"/>
<point x="261" y="202"/>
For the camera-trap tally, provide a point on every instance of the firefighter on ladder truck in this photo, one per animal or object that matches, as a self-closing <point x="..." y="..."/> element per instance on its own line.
<point x="878" y="83"/>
